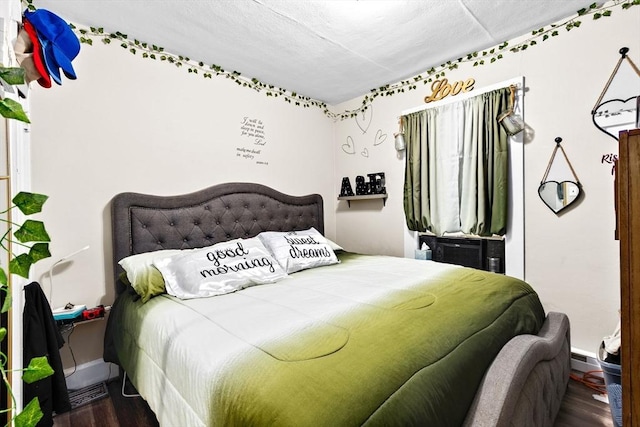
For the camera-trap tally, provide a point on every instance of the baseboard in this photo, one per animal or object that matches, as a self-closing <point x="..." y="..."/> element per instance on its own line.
<point x="89" y="373"/>
<point x="584" y="361"/>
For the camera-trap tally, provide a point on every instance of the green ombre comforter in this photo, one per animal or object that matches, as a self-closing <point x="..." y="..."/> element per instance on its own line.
<point x="373" y="340"/>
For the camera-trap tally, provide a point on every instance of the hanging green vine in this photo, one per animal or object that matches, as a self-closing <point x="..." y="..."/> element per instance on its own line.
<point x="31" y="235"/>
<point x="154" y="52"/>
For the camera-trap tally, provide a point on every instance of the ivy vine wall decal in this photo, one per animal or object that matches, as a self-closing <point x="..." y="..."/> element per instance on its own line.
<point x="207" y="71"/>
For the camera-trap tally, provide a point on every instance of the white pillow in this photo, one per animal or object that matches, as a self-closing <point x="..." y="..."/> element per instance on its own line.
<point x="299" y="250"/>
<point x="219" y="269"/>
<point x="144" y="278"/>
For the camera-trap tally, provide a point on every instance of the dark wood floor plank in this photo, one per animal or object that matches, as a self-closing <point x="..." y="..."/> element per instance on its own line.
<point x="100" y="413"/>
<point x="579" y="408"/>
<point x="132" y="411"/>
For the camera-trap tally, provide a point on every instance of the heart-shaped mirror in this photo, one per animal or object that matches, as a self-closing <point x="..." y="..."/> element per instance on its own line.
<point x="559" y="195"/>
<point x="615" y="115"/>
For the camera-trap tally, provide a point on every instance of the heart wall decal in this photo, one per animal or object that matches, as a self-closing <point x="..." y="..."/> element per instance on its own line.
<point x="558" y="196"/>
<point x="363" y="119"/>
<point x="349" y="147"/>
<point x="365" y="153"/>
<point x="380" y="137"/>
<point x="616" y="114"/>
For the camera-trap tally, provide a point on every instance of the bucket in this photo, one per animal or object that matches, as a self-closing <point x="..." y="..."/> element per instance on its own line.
<point x="611" y="373"/>
<point x="493" y="264"/>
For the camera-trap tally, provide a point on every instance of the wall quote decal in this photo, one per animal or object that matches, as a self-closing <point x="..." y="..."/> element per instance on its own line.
<point x="611" y="159"/>
<point x="252" y="129"/>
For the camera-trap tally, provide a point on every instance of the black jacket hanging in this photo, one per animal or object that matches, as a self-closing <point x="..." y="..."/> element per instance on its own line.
<point x="41" y="337"/>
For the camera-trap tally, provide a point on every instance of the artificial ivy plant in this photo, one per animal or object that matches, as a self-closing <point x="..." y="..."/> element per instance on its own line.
<point x="10" y="108"/>
<point x="33" y="236"/>
<point x="34" y="239"/>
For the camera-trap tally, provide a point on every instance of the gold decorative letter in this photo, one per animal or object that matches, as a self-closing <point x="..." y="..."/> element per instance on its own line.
<point x="468" y="85"/>
<point x="441" y="89"/>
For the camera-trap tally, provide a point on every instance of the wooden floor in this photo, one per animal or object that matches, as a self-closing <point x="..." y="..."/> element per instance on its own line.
<point x="579" y="409"/>
<point x="112" y="411"/>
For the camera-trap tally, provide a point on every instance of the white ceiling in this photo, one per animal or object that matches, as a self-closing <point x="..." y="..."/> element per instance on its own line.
<point x="331" y="50"/>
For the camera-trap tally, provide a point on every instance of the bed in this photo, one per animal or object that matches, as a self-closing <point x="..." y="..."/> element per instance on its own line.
<point x="367" y="340"/>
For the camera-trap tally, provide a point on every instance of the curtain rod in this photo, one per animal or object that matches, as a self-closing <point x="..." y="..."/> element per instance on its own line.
<point x="516" y="81"/>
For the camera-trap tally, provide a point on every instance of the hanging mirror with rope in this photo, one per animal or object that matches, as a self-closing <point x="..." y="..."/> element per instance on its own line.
<point x="559" y="195"/>
<point x="618" y="107"/>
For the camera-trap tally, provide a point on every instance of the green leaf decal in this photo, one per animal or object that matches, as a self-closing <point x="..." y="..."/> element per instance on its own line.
<point x="29" y="203"/>
<point x="3" y="333"/>
<point x="30" y="415"/>
<point x="12" y="110"/>
<point x="8" y="299"/>
<point x="13" y="76"/>
<point x="38" y="369"/>
<point x="32" y="231"/>
<point x="20" y="265"/>
<point x="39" y="251"/>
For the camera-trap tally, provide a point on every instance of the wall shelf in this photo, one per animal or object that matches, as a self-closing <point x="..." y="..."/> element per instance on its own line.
<point x="382" y="196"/>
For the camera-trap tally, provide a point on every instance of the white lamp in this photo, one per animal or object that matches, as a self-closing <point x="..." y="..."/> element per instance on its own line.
<point x="64" y="258"/>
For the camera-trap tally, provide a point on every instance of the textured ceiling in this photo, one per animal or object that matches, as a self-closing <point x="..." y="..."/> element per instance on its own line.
<point x="331" y="50"/>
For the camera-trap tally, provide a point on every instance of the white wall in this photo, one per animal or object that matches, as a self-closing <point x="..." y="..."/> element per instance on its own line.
<point x="130" y="124"/>
<point x="572" y="260"/>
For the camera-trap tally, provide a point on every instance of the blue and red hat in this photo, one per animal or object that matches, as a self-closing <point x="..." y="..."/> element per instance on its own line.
<point x="58" y="43"/>
<point x="44" y="80"/>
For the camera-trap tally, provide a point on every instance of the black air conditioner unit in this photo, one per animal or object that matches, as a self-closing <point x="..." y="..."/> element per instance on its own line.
<point x="474" y="252"/>
<point x="460" y="251"/>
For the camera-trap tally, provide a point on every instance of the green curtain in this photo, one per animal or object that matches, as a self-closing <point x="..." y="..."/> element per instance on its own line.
<point x="457" y="167"/>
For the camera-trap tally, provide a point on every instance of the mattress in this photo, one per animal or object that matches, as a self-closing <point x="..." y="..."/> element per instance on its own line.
<point x="373" y="340"/>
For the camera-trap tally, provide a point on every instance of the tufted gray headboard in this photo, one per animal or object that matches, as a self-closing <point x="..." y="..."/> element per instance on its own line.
<point x="145" y="223"/>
